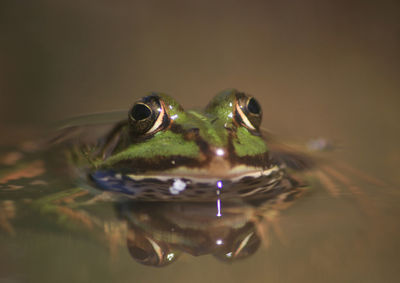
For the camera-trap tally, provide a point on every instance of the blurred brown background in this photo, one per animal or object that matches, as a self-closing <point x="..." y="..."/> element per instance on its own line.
<point x="318" y="67"/>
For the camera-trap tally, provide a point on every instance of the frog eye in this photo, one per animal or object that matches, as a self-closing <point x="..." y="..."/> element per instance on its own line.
<point x="248" y="112"/>
<point x="149" y="252"/>
<point x="148" y="116"/>
<point x="239" y="248"/>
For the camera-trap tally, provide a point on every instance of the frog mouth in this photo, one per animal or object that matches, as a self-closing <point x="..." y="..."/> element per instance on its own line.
<point x="214" y="169"/>
<point x="207" y="175"/>
<point x="204" y="170"/>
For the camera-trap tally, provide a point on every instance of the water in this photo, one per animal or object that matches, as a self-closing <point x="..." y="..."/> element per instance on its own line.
<point x="318" y="71"/>
<point x="347" y="231"/>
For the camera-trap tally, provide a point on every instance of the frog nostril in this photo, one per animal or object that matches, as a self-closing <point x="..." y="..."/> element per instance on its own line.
<point x="195" y="130"/>
<point x="192" y="133"/>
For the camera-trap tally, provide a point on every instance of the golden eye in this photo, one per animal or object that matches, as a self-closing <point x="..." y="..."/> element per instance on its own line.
<point x="148" y="116"/>
<point x="248" y="111"/>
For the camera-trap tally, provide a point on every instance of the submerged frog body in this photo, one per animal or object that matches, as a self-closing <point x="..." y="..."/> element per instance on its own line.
<point x="162" y="152"/>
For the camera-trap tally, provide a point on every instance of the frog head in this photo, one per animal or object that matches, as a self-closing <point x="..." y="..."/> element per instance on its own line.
<point x="160" y="138"/>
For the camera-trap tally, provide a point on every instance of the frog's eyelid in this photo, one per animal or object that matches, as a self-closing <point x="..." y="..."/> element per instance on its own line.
<point x="244" y="118"/>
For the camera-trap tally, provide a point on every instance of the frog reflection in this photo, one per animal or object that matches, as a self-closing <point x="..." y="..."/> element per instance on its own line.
<point x="160" y="232"/>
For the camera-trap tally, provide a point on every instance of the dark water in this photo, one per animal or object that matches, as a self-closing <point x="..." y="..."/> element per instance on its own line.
<point x="327" y="70"/>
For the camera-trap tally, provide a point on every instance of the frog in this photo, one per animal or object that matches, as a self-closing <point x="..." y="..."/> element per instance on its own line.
<point x="190" y="155"/>
<point x="157" y="162"/>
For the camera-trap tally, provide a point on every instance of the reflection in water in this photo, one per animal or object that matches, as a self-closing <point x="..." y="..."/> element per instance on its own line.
<point x="155" y="233"/>
<point x="158" y="233"/>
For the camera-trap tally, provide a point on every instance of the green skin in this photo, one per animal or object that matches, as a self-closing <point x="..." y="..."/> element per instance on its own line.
<point x="217" y="128"/>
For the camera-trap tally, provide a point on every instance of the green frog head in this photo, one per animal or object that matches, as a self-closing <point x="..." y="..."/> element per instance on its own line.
<point x="162" y="143"/>
<point x="161" y="138"/>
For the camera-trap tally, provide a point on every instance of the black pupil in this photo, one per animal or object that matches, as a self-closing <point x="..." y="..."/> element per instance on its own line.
<point x="140" y="112"/>
<point x="253" y="106"/>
